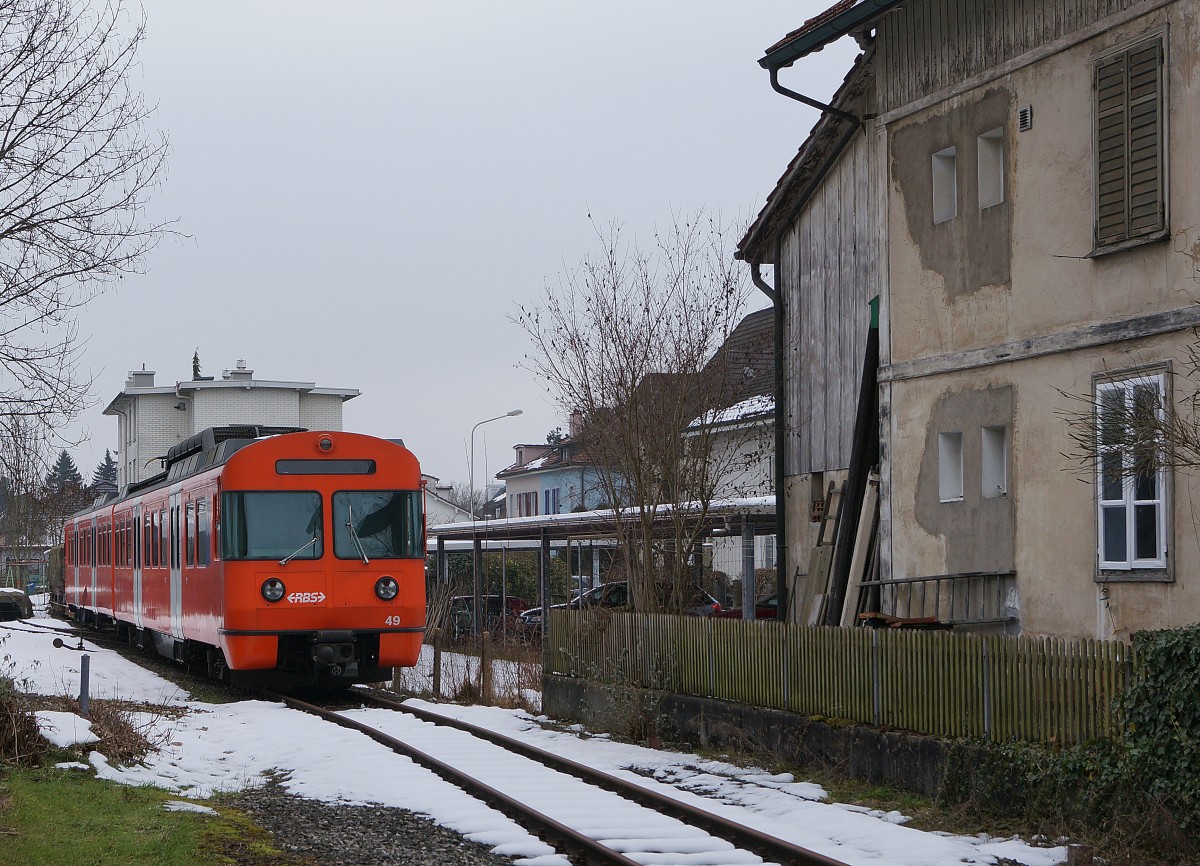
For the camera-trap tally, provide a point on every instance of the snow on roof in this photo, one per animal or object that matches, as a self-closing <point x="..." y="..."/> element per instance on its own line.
<point x="751" y="407"/>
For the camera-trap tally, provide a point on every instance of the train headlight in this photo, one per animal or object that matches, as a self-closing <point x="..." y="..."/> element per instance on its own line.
<point x="387" y="588"/>
<point x="273" y="589"/>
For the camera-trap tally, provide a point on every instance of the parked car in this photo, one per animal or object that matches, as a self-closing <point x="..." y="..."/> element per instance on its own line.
<point x="529" y="621"/>
<point x="460" y="613"/>
<point x="696" y="602"/>
<point x="767" y="608"/>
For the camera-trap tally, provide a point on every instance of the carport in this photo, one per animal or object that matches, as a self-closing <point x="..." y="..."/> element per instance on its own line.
<point x="725" y="517"/>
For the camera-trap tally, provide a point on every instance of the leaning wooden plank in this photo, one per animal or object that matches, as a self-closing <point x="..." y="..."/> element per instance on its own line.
<point x="867" y="522"/>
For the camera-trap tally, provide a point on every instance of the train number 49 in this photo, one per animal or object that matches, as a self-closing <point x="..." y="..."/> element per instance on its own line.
<point x="393" y="620"/>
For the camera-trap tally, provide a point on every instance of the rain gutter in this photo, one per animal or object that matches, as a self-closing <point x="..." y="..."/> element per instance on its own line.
<point x="781" y="572"/>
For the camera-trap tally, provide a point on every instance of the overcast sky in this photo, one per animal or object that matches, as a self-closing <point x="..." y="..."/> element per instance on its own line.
<point x="367" y="189"/>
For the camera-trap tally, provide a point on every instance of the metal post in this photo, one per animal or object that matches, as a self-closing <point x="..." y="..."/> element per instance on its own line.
<point x="477" y="617"/>
<point x="485" y="669"/>
<point x="84" y="672"/>
<point x="442" y="568"/>
<point x="749" y="590"/>
<point x="544" y="580"/>
<point x="437" y="663"/>
<point x="504" y="594"/>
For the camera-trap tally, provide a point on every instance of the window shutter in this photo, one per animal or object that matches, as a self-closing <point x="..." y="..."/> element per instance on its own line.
<point x="1129" y="146"/>
<point x="1111" y="148"/>
<point x="1145" y="140"/>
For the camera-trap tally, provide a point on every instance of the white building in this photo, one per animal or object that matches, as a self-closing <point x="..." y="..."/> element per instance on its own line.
<point x="152" y="418"/>
<point x="439" y="508"/>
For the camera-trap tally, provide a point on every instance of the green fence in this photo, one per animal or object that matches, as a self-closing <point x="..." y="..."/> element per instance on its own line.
<point x="934" y="682"/>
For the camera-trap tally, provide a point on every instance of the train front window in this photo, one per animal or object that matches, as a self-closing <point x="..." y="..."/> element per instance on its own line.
<point x="377" y="524"/>
<point x="271" y="525"/>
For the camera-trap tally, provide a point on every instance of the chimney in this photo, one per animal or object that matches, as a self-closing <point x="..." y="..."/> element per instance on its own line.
<point x="239" y="373"/>
<point x="575" y="424"/>
<point x="142" y="378"/>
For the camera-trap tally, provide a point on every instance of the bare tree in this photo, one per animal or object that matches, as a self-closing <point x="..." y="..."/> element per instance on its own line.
<point x="628" y="340"/>
<point x="76" y="166"/>
<point x="25" y="519"/>
<point x="462" y="496"/>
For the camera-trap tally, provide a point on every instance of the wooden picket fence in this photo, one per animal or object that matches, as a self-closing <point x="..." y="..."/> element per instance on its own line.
<point x="941" y="683"/>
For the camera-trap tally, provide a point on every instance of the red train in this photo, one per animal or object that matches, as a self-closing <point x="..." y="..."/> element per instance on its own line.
<point x="264" y="556"/>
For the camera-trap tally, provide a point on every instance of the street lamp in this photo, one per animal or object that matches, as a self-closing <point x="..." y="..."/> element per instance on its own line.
<point x="476" y="555"/>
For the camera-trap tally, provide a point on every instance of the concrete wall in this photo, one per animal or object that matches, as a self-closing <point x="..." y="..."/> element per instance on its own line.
<point x="905" y="760"/>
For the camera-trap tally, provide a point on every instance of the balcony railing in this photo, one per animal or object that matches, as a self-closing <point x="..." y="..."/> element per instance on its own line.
<point x="973" y="599"/>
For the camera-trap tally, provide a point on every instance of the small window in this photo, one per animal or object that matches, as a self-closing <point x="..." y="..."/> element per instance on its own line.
<point x="995" y="462"/>
<point x="990" y="148"/>
<point x="945" y="185"/>
<point x="950" y="467"/>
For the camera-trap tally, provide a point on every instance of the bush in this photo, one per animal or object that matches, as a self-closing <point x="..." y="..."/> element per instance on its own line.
<point x="1142" y="787"/>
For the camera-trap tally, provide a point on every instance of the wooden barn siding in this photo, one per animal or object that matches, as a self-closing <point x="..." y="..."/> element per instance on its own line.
<point x="928" y="45"/>
<point x="829" y="265"/>
<point x="944" y="684"/>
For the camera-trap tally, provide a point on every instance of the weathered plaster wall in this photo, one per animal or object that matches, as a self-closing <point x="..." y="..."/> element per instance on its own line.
<point x="973" y="249"/>
<point x="1051" y="497"/>
<point x="1052" y="289"/>
<point x="1049" y="188"/>
<point x="978" y="532"/>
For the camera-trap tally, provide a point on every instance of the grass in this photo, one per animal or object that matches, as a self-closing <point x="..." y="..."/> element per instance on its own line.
<point x="55" y="817"/>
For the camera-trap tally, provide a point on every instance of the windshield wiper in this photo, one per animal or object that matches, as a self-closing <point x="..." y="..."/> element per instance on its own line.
<point x="296" y="553"/>
<point x="354" y="535"/>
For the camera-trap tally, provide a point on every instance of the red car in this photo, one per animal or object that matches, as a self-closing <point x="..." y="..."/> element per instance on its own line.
<point x="768" y="608"/>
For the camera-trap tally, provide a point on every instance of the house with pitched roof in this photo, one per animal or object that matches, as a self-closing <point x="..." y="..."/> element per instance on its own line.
<point x="1034" y="235"/>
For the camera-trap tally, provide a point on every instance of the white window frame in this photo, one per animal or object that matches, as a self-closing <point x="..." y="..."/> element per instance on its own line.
<point x="994" y="462"/>
<point x="950" y="466"/>
<point x="1130" y="499"/>
<point x="989" y="149"/>
<point x="945" y="185"/>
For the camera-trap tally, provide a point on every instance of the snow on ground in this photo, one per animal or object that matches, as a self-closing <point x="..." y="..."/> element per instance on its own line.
<point x="226" y="747"/>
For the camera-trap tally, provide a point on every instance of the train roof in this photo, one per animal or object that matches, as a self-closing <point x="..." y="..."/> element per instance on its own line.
<point x="210" y="447"/>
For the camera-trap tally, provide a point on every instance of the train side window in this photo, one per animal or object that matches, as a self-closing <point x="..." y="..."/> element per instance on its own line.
<point x="202" y="532"/>
<point x="164" y="535"/>
<point x="155" y="539"/>
<point x="147" y="535"/>
<point x="189" y="533"/>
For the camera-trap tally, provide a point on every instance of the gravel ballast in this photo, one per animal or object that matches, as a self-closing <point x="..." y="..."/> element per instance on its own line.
<point x="347" y="835"/>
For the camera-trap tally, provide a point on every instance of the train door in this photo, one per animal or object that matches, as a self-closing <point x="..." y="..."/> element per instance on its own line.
<point x="94" y="542"/>
<point x="176" y="571"/>
<point x="138" y="535"/>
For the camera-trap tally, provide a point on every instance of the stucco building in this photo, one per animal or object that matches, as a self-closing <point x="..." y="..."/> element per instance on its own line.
<point x="1037" y="223"/>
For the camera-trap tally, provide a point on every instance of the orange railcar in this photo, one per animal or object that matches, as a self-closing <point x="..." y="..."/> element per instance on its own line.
<point x="264" y="555"/>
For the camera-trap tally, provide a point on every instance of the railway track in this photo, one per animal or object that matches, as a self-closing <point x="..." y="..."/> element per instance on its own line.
<point x="617" y="836"/>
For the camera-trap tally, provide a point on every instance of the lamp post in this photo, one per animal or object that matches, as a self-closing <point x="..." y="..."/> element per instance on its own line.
<point x="476" y="556"/>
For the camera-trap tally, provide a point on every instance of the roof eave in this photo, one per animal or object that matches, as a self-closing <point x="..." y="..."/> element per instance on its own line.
<point x="789" y="51"/>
